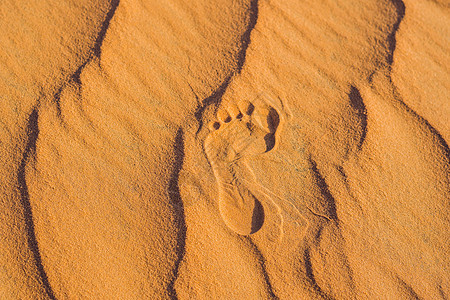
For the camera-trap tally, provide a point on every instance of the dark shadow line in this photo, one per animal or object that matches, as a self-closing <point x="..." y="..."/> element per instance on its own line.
<point x="30" y="150"/>
<point x="400" y="7"/>
<point x="96" y="51"/>
<point x="57" y="99"/>
<point x="320" y="181"/>
<point x="357" y="103"/>
<point x="105" y="25"/>
<point x="310" y="275"/>
<point x="261" y="260"/>
<point x="76" y="76"/>
<point x="345" y="179"/>
<point x="177" y="203"/>
<point x="442" y="142"/>
<point x="408" y="288"/>
<point x="245" y="40"/>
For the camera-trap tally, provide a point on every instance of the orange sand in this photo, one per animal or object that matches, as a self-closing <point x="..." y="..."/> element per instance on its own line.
<point x="250" y="149"/>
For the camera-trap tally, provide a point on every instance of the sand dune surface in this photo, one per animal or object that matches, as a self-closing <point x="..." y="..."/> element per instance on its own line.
<point x="224" y="149"/>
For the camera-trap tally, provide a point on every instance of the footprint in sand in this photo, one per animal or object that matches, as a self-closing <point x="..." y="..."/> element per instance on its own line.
<point x="242" y="130"/>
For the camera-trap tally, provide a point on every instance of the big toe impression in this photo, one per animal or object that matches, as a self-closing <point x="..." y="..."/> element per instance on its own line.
<point x="268" y="119"/>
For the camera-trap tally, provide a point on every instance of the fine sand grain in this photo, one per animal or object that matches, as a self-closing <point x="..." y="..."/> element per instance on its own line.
<point x="252" y="149"/>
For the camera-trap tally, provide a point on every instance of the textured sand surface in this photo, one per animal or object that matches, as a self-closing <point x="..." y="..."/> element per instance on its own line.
<point x="224" y="149"/>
